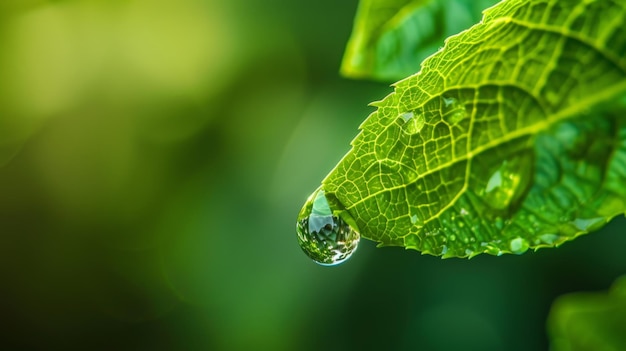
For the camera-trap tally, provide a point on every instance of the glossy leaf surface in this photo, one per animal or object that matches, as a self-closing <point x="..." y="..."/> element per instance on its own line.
<point x="509" y="138"/>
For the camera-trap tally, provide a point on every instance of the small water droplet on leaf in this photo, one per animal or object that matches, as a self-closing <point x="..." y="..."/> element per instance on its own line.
<point x="549" y="238"/>
<point x="588" y="224"/>
<point x="444" y="250"/>
<point x="324" y="232"/>
<point x="499" y="223"/>
<point x="414" y="219"/>
<point x="509" y="182"/>
<point x="452" y="110"/>
<point x="518" y="246"/>
<point x="412" y="123"/>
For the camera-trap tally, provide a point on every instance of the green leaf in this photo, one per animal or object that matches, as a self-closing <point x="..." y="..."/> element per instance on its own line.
<point x="509" y="138"/>
<point x="589" y="321"/>
<point x="391" y="38"/>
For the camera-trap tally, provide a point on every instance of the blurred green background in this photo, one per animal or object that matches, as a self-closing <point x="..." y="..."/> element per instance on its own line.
<point x="153" y="158"/>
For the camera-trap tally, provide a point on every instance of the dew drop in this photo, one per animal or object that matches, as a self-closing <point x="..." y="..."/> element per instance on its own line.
<point x="452" y="110"/>
<point x="414" y="219"/>
<point x="549" y="238"/>
<point x="447" y="102"/>
<point x="588" y="224"/>
<point x="499" y="223"/>
<point x="518" y="246"/>
<point x="323" y="230"/>
<point x="412" y="123"/>
<point x="444" y="250"/>
<point x="565" y="218"/>
<point x="508" y="182"/>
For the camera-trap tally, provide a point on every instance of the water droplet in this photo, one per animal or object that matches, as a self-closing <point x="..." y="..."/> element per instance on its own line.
<point x="444" y="250"/>
<point x="463" y="212"/>
<point x="414" y="219"/>
<point x="452" y="110"/>
<point x="588" y="224"/>
<point x="324" y="232"/>
<point x="549" y="238"/>
<point x="456" y="117"/>
<point x="412" y="123"/>
<point x="448" y="101"/>
<point x="509" y="182"/>
<point x="452" y="238"/>
<point x="499" y="223"/>
<point x="518" y="246"/>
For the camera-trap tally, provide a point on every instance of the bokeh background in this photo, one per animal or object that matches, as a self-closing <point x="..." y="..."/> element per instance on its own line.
<point x="153" y="158"/>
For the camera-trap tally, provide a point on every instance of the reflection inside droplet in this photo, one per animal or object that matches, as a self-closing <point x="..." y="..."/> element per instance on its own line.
<point x="412" y="123"/>
<point x="549" y="238"/>
<point x="588" y="224"/>
<point x="518" y="246"/>
<point x="452" y="110"/>
<point x="323" y="230"/>
<point x="509" y="181"/>
<point x="448" y="101"/>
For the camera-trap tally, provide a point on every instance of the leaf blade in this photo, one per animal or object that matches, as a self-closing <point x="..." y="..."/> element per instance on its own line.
<point x="391" y="37"/>
<point x="433" y="150"/>
<point x="589" y="321"/>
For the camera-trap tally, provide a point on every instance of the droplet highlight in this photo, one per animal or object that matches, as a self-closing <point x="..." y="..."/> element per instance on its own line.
<point x="414" y="219"/>
<point x="323" y="230"/>
<point x="499" y="223"/>
<point x="518" y="246"/>
<point x="549" y="239"/>
<point x="412" y="123"/>
<point x="452" y="110"/>
<point x="509" y="182"/>
<point x="588" y="224"/>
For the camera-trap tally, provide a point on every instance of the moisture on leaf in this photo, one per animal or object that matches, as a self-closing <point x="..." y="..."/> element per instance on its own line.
<point x="392" y="37"/>
<point x="510" y="138"/>
<point x="324" y="231"/>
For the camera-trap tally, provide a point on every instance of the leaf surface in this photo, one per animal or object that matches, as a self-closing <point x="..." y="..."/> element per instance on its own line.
<point x="589" y="321"/>
<point x="391" y="38"/>
<point x="509" y="138"/>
